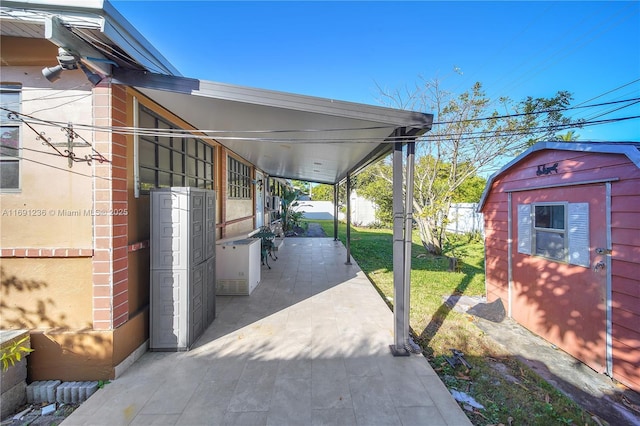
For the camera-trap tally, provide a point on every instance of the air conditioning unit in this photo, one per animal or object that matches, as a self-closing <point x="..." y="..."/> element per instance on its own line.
<point x="275" y="203"/>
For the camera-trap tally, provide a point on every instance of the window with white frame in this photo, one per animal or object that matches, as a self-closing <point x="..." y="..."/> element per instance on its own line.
<point x="555" y="231"/>
<point x="238" y="179"/>
<point x="549" y="231"/>
<point x="10" y="138"/>
<point x="166" y="160"/>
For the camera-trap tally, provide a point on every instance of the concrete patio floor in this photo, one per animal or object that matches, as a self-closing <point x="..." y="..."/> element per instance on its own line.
<point x="310" y="346"/>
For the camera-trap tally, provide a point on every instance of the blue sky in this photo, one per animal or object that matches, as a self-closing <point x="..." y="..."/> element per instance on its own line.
<point x="347" y="50"/>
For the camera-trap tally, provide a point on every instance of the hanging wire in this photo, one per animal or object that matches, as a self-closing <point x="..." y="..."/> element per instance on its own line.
<point x="68" y="153"/>
<point x="219" y="134"/>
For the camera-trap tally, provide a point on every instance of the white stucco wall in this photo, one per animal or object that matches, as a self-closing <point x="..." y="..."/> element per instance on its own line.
<point x="51" y="207"/>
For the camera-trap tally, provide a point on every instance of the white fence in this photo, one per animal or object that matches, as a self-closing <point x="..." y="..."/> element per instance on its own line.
<point x="463" y="218"/>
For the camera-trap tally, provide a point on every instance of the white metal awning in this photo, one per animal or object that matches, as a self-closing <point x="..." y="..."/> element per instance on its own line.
<point x="283" y="134"/>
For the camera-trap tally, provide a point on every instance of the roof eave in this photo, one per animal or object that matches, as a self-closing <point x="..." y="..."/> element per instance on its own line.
<point x="627" y="149"/>
<point x="399" y="118"/>
<point x="103" y="16"/>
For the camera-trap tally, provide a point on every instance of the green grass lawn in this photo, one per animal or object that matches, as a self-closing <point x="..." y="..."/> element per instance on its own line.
<point x="437" y="329"/>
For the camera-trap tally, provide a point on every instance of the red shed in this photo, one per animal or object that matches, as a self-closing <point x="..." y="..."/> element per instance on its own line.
<point x="562" y="249"/>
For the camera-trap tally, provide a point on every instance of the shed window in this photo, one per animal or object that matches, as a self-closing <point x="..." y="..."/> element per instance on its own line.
<point x="10" y="138"/>
<point x="556" y="231"/>
<point x="549" y="231"/>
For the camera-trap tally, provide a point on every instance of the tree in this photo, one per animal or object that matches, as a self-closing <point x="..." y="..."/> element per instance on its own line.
<point x="301" y="185"/>
<point x="471" y="132"/>
<point x="322" y="192"/>
<point x="378" y="190"/>
<point x="544" y="125"/>
<point x="470" y="190"/>
<point x="570" y="136"/>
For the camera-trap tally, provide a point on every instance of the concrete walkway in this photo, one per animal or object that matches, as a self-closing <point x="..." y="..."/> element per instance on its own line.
<point x="310" y="346"/>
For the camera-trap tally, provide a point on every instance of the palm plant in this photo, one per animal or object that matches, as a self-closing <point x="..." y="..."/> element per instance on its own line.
<point x="570" y="136"/>
<point x="289" y="200"/>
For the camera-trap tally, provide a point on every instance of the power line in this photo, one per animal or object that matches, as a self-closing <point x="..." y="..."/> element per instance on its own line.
<point x="579" y="41"/>
<point x="217" y="133"/>
<point x="31" y="160"/>
<point x="613" y="110"/>
<point x="427" y="137"/>
<point x="610" y="91"/>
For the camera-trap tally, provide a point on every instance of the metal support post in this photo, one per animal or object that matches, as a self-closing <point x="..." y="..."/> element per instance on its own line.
<point x="335" y="212"/>
<point x="398" y="348"/>
<point x="408" y="231"/>
<point x="348" y="262"/>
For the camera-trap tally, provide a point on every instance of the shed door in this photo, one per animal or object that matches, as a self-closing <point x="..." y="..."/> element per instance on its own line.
<point x="559" y="285"/>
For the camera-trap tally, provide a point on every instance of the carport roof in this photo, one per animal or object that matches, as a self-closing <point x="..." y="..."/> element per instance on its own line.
<point x="283" y="134"/>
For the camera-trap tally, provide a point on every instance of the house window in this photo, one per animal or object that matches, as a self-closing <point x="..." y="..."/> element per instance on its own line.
<point x="556" y="231"/>
<point x="238" y="180"/>
<point x="10" y="135"/>
<point x="549" y="231"/>
<point x="166" y="160"/>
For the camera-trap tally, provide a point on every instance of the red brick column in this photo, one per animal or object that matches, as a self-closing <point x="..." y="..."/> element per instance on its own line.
<point x="110" y="261"/>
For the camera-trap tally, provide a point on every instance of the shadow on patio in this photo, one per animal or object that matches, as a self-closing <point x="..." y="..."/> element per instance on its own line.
<point x="309" y="346"/>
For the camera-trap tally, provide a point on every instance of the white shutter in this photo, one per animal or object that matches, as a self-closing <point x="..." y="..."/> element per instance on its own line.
<point x="524" y="228"/>
<point x="578" y="223"/>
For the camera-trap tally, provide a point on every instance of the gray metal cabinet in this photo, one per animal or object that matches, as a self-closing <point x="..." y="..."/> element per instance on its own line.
<point x="183" y="222"/>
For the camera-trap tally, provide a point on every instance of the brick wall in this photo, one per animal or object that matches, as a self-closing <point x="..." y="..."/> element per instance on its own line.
<point x="110" y="262"/>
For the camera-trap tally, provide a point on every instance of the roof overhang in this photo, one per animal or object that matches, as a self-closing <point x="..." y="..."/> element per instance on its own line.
<point x="94" y="28"/>
<point x="283" y="134"/>
<point x="629" y="149"/>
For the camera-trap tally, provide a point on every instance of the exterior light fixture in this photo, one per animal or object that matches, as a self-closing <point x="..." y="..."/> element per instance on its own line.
<point x="52" y="73"/>
<point x="69" y="61"/>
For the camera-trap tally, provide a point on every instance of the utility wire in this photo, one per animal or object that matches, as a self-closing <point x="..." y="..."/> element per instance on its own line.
<point x="215" y="133"/>
<point x="584" y="38"/>
<point x="613" y="110"/>
<point x="427" y="137"/>
<point x="610" y="91"/>
<point x="61" y="168"/>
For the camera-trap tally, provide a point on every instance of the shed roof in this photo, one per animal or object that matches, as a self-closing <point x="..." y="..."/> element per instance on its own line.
<point x="283" y="134"/>
<point x="630" y="149"/>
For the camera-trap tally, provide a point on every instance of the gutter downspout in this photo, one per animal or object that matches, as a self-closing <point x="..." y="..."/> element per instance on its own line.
<point x="136" y="143"/>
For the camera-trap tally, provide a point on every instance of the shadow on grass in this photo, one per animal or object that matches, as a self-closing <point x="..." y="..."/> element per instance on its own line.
<point x="373" y="250"/>
<point x="443" y="311"/>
